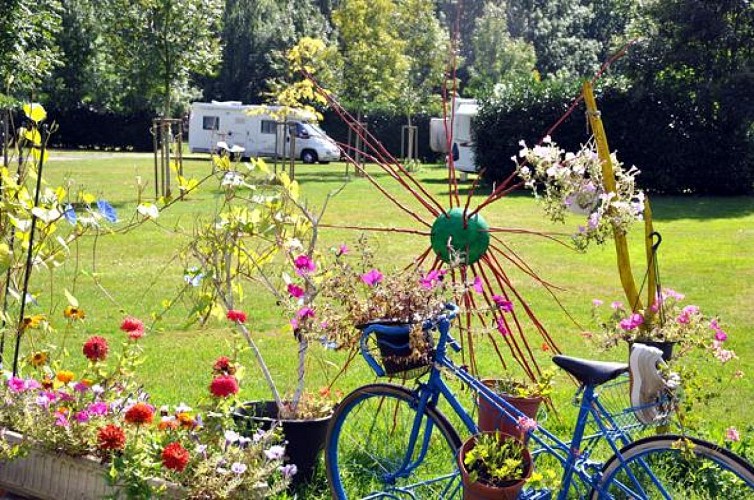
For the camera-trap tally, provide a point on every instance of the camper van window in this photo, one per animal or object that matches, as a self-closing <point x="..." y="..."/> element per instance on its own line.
<point x="269" y="126"/>
<point x="211" y="122"/>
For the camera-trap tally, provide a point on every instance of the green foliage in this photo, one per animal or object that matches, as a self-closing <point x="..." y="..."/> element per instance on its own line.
<point x="497" y="56"/>
<point x="27" y="49"/>
<point x="495" y="460"/>
<point x="375" y="53"/>
<point x="157" y="46"/>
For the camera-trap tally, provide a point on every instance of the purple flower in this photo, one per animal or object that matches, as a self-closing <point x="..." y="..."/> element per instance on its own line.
<point x="342" y="249"/>
<point x="597" y="302"/>
<point x="275" y="452"/>
<point x="721" y="336"/>
<point x="304" y="265"/>
<point x="372" y="277"/>
<point x="61" y="420"/>
<point x="294" y="323"/>
<point x="502" y="303"/>
<point x="98" y="409"/>
<point x="238" y="468"/>
<point x="32" y="384"/>
<point x="617" y="305"/>
<point x="258" y="436"/>
<point x="80" y="387"/>
<point x="501" y="327"/>
<point x="690" y="310"/>
<point x="732" y="434"/>
<point x="231" y="436"/>
<point x="431" y="279"/>
<point x="305" y="312"/>
<point x="43" y="400"/>
<point x="82" y="417"/>
<point x="477" y="286"/>
<point x="289" y="470"/>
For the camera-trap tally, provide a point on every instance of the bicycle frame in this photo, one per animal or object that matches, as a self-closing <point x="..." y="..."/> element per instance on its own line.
<point x="575" y="462"/>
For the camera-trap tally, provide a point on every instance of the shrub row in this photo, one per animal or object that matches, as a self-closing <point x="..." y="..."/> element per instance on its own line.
<point x="683" y="139"/>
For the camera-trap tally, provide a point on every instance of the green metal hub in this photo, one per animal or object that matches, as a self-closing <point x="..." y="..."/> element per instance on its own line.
<point x="469" y="240"/>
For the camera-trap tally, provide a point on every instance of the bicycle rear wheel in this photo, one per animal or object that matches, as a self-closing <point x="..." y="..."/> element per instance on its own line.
<point x="663" y="467"/>
<point x="369" y="446"/>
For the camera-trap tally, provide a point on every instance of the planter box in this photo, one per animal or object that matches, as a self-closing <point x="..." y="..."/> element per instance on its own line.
<point x="55" y="476"/>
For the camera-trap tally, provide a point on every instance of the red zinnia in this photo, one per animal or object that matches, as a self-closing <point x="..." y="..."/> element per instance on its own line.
<point x="111" y="437"/>
<point x="223" y="365"/>
<point x="223" y="386"/>
<point x="140" y="413"/>
<point x="236" y="315"/>
<point x="175" y="457"/>
<point x="133" y="327"/>
<point x="95" y="349"/>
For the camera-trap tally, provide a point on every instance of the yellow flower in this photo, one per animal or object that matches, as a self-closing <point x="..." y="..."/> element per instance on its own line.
<point x="33" y="321"/>
<point x="64" y="376"/>
<point x="74" y="313"/>
<point x="38" y="359"/>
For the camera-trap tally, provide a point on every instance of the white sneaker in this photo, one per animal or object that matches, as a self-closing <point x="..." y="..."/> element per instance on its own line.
<point x="647" y="384"/>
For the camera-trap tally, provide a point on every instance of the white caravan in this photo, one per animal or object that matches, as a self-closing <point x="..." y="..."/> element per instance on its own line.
<point x="463" y="144"/>
<point x="256" y="129"/>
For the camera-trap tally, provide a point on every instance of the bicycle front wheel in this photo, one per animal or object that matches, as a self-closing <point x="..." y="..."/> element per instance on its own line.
<point x="671" y="466"/>
<point x="379" y="446"/>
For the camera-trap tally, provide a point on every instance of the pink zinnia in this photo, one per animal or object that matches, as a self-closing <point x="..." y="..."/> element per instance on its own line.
<point x="236" y="315"/>
<point x="295" y="291"/>
<point x="304" y="264"/>
<point x="133" y="327"/>
<point x="372" y="277"/>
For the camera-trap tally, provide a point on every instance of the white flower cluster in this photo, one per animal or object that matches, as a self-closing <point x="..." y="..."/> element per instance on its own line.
<point x="573" y="182"/>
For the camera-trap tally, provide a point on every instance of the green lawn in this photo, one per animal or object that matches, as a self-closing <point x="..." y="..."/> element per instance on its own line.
<point x="705" y="254"/>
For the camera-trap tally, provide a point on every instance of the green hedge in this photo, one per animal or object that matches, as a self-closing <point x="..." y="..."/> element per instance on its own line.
<point x="683" y="139"/>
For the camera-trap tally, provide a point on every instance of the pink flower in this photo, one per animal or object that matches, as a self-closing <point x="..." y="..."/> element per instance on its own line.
<point x="504" y="305"/>
<point x="617" y="305"/>
<point x="236" y="315"/>
<point x="637" y="319"/>
<point x="304" y="264"/>
<point x="16" y="384"/>
<point x="690" y="309"/>
<point x="342" y="249"/>
<point x="305" y="312"/>
<point x="133" y="327"/>
<point x="501" y="327"/>
<point x="597" y="302"/>
<point x="731" y="434"/>
<point x="372" y="277"/>
<point x="477" y="286"/>
<point x="683" y="319"/>
<point x="61" y="420"/>
<point x="82" y="417"/>
<point x="432" y="278"/>
<point x="294" y="323"/>
<point x="721" y="336"/>
<point x="98" y="409"/>
<point x="295" y="291"/>
<point x="526" y="424"/>
<point x="81" y="387"/>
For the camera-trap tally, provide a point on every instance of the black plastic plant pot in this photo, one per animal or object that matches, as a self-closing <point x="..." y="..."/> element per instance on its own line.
<point x="665" y="347"/>
<point x="306" y="438"/>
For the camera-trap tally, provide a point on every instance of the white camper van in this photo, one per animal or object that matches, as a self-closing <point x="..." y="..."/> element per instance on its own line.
<point x="463" y="145"/>
<point x="255" y="129"/>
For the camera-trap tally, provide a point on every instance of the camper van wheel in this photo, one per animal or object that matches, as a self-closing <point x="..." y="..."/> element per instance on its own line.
<point x="309" y="156"/>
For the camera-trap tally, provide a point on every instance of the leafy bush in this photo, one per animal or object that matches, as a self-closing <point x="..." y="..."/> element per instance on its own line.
<point x="683" y="138"/>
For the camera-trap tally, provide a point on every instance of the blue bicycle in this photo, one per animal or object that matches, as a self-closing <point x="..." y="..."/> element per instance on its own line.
<point x="388" y="441"/>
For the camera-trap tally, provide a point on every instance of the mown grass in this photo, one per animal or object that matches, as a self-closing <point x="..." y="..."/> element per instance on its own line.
<point x="706" y="253"/>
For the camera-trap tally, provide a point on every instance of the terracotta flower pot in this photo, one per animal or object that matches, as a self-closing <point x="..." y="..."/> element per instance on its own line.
<point x="476" y="490"/>
<point x="491" y="419"/>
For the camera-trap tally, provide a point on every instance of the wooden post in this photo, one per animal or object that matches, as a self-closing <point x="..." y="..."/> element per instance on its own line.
<point x="608" y="181"/>
<point x="155" y="145"/>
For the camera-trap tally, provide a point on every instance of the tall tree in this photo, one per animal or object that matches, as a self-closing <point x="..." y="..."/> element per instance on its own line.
<point x="497" y="56"/>
<point x="255" y="34"/>
<point x="374" y="51"/>
<point x="158" y="46"/>
<point x="558" y="29"/>
<point x="27" y="43"/>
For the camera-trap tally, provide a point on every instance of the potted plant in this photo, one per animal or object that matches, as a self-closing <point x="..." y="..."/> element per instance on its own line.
<point x="493" y="465"/>
<point x="524" y="395"/>
<point x="665" y="324"/>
